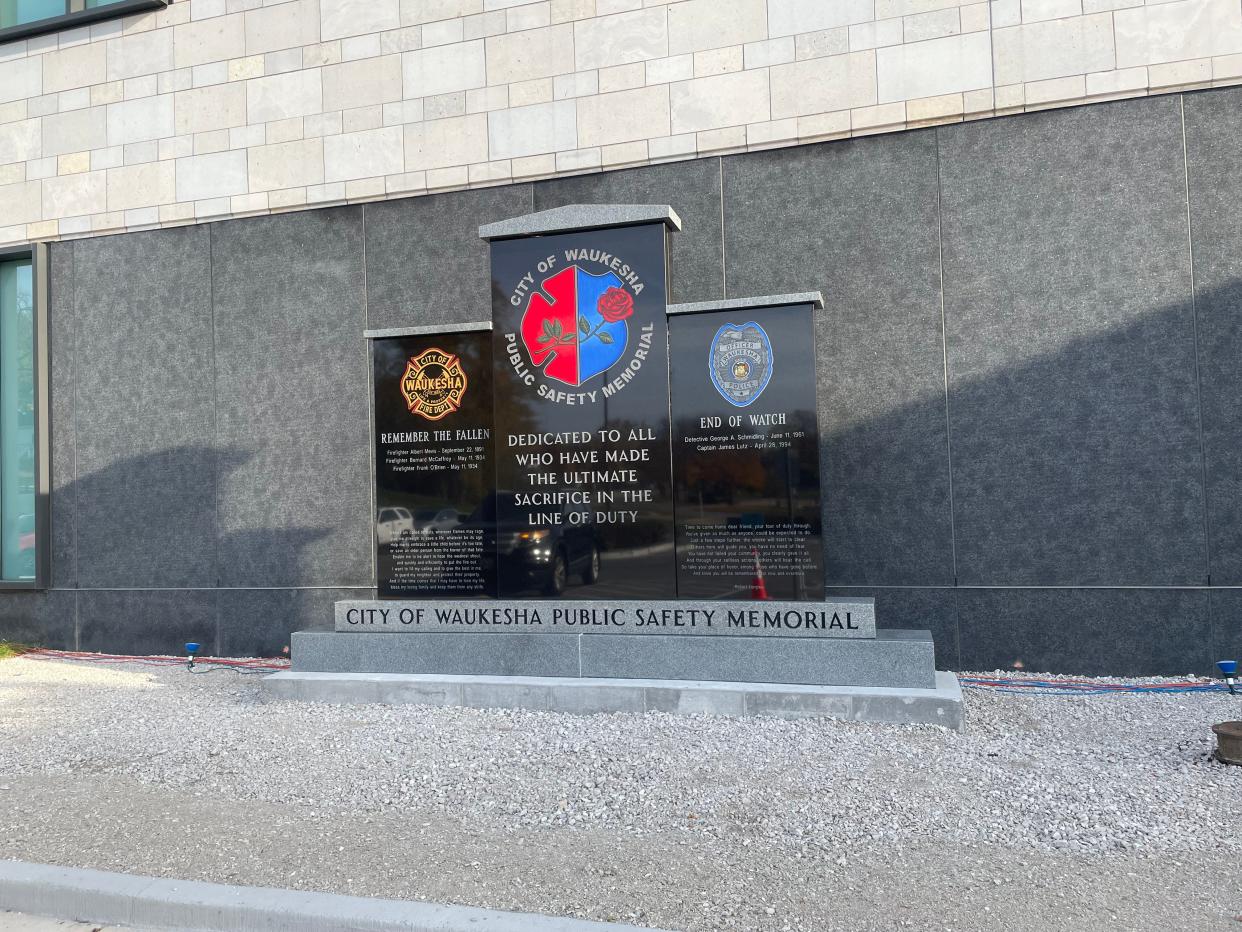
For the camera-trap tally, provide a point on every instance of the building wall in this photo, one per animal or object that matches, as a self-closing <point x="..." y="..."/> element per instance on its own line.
<point x="1028" y="385"/>
<point x="215" y="108"/>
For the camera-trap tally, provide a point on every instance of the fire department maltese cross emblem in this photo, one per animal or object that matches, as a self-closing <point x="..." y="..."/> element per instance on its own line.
<point x="740" y="362"/>
<point x="433" y="384"/>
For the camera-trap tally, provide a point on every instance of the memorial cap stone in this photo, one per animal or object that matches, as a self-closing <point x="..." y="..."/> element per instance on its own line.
<point x="577" y="217"/>
<point x="813" y="298"/>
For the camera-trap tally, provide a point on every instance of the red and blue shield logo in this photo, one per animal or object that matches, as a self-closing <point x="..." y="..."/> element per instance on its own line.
<point x="577" y="326"/>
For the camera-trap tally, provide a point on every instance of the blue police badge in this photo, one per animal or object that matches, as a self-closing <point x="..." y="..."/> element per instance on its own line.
<point x="741" y="362"/>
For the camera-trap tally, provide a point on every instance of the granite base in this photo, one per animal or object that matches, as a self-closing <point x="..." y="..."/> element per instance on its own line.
<point x="894" y="658"/>
<point x="940" y="705"/>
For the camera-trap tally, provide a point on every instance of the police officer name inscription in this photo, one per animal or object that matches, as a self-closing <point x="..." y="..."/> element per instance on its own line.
<point x="582" y="427"/>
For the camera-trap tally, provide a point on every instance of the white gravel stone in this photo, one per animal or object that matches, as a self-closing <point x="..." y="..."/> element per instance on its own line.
<point x="737" y="813"/>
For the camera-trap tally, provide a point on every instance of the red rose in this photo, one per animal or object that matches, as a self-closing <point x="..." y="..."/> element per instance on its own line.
<point x="615" y="304"/>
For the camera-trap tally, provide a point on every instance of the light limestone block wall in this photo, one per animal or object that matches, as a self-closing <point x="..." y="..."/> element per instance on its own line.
<point x="218" y="108"/>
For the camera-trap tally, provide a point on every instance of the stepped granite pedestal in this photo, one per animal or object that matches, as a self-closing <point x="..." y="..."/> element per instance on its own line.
<point x="725" y="658"/>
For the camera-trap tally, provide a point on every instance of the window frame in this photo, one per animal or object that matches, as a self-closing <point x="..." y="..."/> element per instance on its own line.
<point x="79" y="18"/>
<point x="37" y="253"/>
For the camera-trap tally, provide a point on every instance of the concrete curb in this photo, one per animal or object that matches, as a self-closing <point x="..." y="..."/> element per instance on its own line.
<point x="73" y="893"/>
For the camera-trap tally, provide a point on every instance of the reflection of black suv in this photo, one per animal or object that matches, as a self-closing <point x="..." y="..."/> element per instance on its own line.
<point x="540" y="558"/>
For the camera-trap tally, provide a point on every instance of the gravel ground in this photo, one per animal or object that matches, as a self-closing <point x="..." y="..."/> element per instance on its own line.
<point x="1049" y="813"/>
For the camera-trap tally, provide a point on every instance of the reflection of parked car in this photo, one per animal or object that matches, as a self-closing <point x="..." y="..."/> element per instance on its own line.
<point x="540" y="558"/>
<point x="393" y="524"/>
<point x="428" y="522"/>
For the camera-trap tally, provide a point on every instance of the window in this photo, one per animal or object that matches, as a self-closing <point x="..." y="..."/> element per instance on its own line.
<point x="21" y="12"/>
<point x="20" y="18"/>
<point x="24" y="466"/>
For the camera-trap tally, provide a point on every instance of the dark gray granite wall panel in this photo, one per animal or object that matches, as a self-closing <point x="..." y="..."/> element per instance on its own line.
<point x="60" y="348"/>
<point x="259" y="621"/>
<point x="1226" y="610"/>
<point x="1213" y="128"/>
<point x="294" y="488"/>
<point x="43" y="619"/>
<point x="925" y="609"/>
<point x="142" y="621"/>
<point x="1072" y="367"/>
<point x="425" y="261"/>
<point x="144" y="419"/>
<point x="857" y="221"/>
<point x="690" y="188"/>
<point x="1073" y="397"/>
<point x="1117" y="632"/>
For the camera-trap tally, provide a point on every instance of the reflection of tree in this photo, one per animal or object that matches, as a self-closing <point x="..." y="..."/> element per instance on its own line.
<point x="806" y="450"/>
<point x="723" y="477"/>
<point x="25" y="354"/>
<point x="17" y="427"/>
<point x="25" y="386"/>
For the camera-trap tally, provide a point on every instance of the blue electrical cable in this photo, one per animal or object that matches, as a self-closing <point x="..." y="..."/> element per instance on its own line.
<point x="1042" y="687"/>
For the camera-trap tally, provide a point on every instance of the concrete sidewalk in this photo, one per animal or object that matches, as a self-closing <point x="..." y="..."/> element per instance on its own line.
<point x="74" y="894"/>
<point x="23" y="922"/>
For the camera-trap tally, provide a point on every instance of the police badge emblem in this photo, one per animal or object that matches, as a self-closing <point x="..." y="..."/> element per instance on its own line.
<point x="740" y="362"/>
<point x="433" y="384"/>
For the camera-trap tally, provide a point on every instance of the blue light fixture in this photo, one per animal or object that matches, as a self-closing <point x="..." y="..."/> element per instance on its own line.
<point x="191" y="648"/>
<point x="1229" y="670"/>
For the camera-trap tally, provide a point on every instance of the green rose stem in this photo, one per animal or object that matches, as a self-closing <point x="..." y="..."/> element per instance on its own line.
<point x="582" y="323"/>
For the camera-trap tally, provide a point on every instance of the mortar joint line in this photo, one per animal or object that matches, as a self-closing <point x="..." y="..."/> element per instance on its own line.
<point x="215" y="427"/>
<point x="944" y="350"/>
<point x="1194" y="330"/>
<point x="73" y="303"/>
<point x="369" y="362"/>
<point x="724" y="271"/>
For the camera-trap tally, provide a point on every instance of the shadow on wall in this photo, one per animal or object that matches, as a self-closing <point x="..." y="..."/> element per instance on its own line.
<point x="1068" y="528"/>
<point x="1081" y="467"/>
<point x="1073" y="537"/>
<point x="142" y="561"/>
